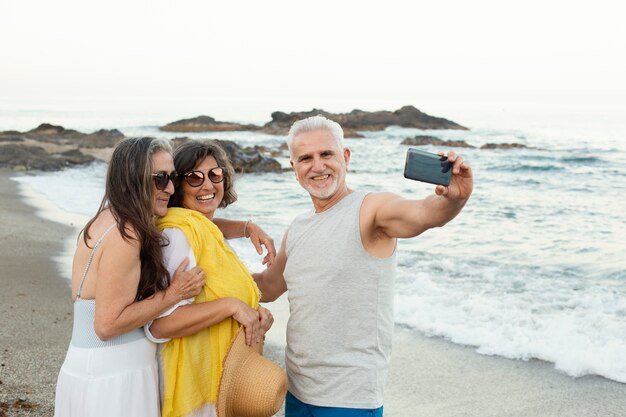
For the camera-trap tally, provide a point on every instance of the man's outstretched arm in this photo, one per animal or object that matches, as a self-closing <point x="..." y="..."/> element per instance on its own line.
<point x="398" y="217"/>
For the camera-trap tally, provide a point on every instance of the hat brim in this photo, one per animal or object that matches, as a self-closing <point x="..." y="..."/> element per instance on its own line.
<point x="249" y="377"/>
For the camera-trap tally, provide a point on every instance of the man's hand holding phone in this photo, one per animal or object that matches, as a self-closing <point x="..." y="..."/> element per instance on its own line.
<point x="450" y="173"/>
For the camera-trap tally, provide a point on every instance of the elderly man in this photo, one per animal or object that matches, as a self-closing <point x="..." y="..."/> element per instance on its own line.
<point x="338" y="263"/>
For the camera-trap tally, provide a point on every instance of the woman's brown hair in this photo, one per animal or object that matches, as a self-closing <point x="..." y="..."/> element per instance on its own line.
<point x="129" y="195"/>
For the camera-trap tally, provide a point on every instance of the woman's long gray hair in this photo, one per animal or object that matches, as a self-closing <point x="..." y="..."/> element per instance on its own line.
<point x="129" y="194"/>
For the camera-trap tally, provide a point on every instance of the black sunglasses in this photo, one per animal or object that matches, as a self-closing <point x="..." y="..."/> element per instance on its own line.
<point x="196" y="178"/>
<point x="161" y="179"/>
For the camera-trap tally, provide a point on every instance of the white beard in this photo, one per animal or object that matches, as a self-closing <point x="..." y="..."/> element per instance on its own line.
<point x="325" y="193"/>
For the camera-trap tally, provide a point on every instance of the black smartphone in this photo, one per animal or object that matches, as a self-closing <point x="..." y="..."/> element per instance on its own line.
<point x="427" y="167"/>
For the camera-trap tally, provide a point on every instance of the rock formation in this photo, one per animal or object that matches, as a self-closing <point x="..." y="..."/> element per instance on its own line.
<point x="356" y="120"/>
<point x="50" y="147"/>
<point x="249" y="159"/>
<point x="423" y="140"/>
<point x="22" y="157"/>
<point x="205" y="124"/>
<point x="407" y="116"/>
<point x="505" y="146"/>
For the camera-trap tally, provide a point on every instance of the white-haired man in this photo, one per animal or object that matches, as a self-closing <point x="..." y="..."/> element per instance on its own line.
<point x="338" y="263"/>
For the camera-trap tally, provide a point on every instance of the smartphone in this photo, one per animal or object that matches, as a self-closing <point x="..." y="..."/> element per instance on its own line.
<point x="427" y="167"/>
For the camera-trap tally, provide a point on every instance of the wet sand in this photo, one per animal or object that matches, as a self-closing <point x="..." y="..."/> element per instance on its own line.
<point x="432" y="377"/>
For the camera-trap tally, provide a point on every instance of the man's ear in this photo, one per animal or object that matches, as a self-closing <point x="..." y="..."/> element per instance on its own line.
<point x="346" y="156"/>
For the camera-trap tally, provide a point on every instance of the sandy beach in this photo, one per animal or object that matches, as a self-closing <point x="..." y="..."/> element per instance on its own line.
<point x="35" y="306"/>
<point x="428" y="376"/>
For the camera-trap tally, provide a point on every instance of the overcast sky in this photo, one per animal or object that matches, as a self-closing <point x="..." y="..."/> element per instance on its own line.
<point x="332" y="54"/>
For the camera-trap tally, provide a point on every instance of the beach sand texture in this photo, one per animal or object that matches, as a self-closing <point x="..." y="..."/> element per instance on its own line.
<point x="428" y="376"/>
<point x="35" y="306"/>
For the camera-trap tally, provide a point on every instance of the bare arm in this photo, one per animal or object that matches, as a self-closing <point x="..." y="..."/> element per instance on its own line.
<point x="231" y="229"/>
<point x="234" y="229"/>
<point x="190" y="319"/>
<point x="397" y="217"/>
<point x="271" y="281"/>
<point x="118" y="276"/>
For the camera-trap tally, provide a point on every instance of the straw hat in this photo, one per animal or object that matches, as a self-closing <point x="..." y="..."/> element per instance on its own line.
<point x="251" y="385"/>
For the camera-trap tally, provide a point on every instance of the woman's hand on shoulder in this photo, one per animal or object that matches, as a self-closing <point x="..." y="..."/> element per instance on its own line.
<point x="186" y="284"/>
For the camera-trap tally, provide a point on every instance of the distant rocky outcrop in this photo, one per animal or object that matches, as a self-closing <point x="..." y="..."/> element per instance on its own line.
<point x="22" y="157"/>
<point x="249" y="159"/>
<point x="59" y="135"/>
<point x="49" y="147"/>
<point x="103" y="138"/>
<point x="47" y="129"/>
<point x="423" y="140"/>
<point x="11" y="136"/>
<point x="505" y="146"/>
<point x="244" y="160"/>
<point x="356" y="120"/>
<point x="205" y="124"/>
<point x="407" y="116"/>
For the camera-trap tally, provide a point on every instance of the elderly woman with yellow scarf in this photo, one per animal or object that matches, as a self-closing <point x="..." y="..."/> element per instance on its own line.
<point x="196" y="336"/>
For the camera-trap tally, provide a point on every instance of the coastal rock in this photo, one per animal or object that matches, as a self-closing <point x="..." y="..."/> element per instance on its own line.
<point x="407" y="116"/>
<point x="244" y="160"/>
<point x="103" y="138"/>
<point x="73" y="157"/>
<point x="11" y="136"/>
<point x="58" y="135"/>
<point x="505" y="146"/>
<point x="249" y="159"/>
<point x="52" y="133"/>
<point x="205" y="124"/>
<point x="26" y="157"/>
<point x="49" y="147"/>
<point x="356" y="120"/>
<point x="50" y="129"/>
<point x="422" y="140"/>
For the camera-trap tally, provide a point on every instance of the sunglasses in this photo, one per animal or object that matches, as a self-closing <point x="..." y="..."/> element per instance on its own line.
<point x="196" y="178"/>
<point x="161" y="179"/>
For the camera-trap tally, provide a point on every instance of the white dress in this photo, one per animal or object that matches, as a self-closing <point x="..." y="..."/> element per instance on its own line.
<point x="173" y="255"/>
<point x="118" y="377"/>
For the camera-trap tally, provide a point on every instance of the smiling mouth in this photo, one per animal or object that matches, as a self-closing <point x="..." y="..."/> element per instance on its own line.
<point x="320" y="177"/>
<point x="208" y="197"/>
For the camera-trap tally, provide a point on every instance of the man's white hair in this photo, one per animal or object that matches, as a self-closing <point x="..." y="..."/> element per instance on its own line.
<point x="313" y="123"/>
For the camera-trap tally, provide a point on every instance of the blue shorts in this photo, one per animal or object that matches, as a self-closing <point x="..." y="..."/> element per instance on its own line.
<point x="296" y="408"/>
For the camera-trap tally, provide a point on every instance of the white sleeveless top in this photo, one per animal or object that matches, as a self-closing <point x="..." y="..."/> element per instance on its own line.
<point x="341" y="310"/>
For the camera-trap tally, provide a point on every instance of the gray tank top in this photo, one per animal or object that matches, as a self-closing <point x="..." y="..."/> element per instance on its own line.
<point x="83" y="333"/>
<point x="341" y="310"/>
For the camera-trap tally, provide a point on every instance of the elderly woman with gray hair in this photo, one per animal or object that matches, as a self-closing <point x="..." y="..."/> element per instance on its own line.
<point x="119" y="282"/>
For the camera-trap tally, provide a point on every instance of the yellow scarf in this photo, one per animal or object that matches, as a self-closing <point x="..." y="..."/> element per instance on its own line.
<point x="193" y="364"/>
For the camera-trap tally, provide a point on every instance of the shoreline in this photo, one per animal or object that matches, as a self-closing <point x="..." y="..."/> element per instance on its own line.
<point x="35" y="305"/>
<point x="434" y="377"/>
<point x="428" y="376"/>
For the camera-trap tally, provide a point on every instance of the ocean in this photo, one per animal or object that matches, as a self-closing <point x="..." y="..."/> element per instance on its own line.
<point x="534" y="266"/>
